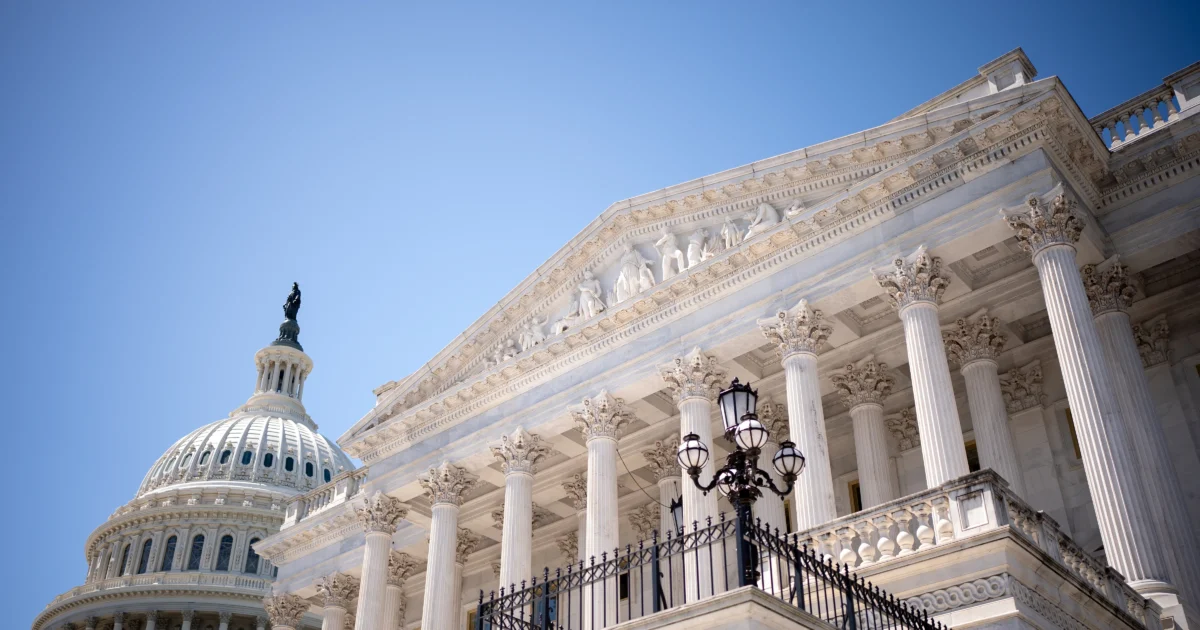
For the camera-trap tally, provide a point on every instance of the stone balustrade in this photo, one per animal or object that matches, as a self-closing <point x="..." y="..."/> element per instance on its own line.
<point x="256" y="585"/>
<point x="1137" y="116"/>
<point x="340" y="489"/>
<point x="962" y="508"/>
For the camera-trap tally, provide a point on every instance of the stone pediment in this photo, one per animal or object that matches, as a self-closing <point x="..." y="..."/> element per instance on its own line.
<point x="778" y="207"/>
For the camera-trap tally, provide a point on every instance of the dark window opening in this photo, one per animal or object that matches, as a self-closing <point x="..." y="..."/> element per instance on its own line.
<point x="289" y="464"/>
<point x="251" y="559"/>
<point x="169" y="554"/>
<point x="122" y="570"/>
<point x="308" y="468"/>
<point x="225" y="456"/>
<point x="328" y="476"/>
<point x="224" y="552"/>
<point x="204" y="457"/>
<point x="972" y="456"/>
<point x="197" y="551"/>
<point x="144" y="561"/>
<point x="855" y="497"/>
<point x="268" y="460"/>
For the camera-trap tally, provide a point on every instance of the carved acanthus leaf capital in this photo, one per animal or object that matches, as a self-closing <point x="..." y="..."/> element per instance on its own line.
<point x="569" y="546"/>
<point x="338" y="590"/>
<point x="973" y="339"/>
<point x="1152" y="337"/>
<point x="520" y="452"/>
<point x="645" y="519"/>
<point x="601" y="417"/>
<point x="663" y="458"/>
<point x="1109" y="286"/>
<point x="1040" y="224"/>
<point x="576" y="488"/>
<point x="1022" y="387"/>
<point x="286" y="609"/>
<point x="380" y="513"/>
<point x="467" y="542"/>
<point x="447" y="484"/>
<point x="866" y="383"/>
<point x="400" y="567"/>
<point x="696" y="375"/>
<point x="915" y="278"/>
<point x="800" y="330"/>
<point x="904" y="428"/>
<point x="774" y="416"/>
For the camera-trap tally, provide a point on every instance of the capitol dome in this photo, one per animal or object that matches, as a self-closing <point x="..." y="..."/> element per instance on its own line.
<point x="180" y="555"/>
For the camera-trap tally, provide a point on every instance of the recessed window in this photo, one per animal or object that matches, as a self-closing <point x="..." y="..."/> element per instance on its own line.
<point x="169" y="554"/>
<point x="225" y="456"/>
<point x="623" y="586"/>
<point x="197" y="551"/>
<point x="855" y="497"/>
<point x="186" y="458"/>
<point x="289" y="464"/>
<point x="204" y="457"/>
<point x="170" y="463"/>
<point x="122" y="570"/>
<point x="247" y="457"/>
<point x="144" y="560"/>
<point x="268" y="460"/>
<point x="328" y="476"/>
<point x="224" y="552"/>
<point x="251" y="559"/>
<point x="972" y="456"/>
<point x="308" y="468"/>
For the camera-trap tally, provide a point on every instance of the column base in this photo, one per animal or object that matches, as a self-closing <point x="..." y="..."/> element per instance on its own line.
<point x="1165" y="595"/>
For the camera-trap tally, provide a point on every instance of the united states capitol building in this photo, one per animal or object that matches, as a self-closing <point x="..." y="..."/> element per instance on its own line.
<point x="977" y="323"/>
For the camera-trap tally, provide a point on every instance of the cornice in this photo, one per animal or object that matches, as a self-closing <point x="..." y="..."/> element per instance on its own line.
<point x="152" y="592"/>
<point x="182" y="514"/>
<point x="332" y="526"/>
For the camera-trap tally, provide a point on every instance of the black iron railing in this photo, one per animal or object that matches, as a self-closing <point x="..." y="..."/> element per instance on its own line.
<point x="660" y="574"/>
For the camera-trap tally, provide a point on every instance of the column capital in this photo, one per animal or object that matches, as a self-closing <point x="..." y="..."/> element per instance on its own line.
<point x="696" y="375"/>
<point x="1022" y="387"/>
<point x="915" y="278"/>
<point x="1109" y="286"/>
<point x="380" y="513"/>
<point x="973" y="339"/>
<point x="868" y="382"/>
<point x="645" y="519"/>
<point x="466" y="544"/>
<point x="285" y="609"/>
<point x="91" y="622"/>
<point x="520" y="452"/>
<point x="348" y="621"/>
<point x="1045" y="221"/>
<point x="539" y="516"/>
<point x="337" y="590"/>
<point x="447" y="484"/>
<point x="260" y="622"/>
<point x="601" y="417"/>
<point x="576" y="488"/>
<point x="904" y="428"/>
<point x="569" y="546"/>
<point x="225" y="616"/>
<point x="663" y="458"/>
<point x="797" y="331"/>
<point x="1152" y="337"/>
<point x="189" y="615"/>
<point x="400" y="567"/>
<point x="119" y="616"/>
<point x="774" y="416"/>
<point x="152" y="616"/>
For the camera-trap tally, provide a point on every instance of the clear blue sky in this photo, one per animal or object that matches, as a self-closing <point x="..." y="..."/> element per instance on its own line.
<point x="168" y="169"/>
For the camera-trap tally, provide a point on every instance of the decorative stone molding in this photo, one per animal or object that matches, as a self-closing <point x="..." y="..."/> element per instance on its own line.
<point x="496" y="569"/>
<point x="663" y="458"/>
<point x="400" y="567"/>
<point x="91" y="622"/>
<point x="380" y="513"/>
<point x="1109" y="286"/>
<point x="520" y="452"/>
<point x="338" y="590"/>
<point x="576" y="488"/>
<point x="868" y="382"/>
<point x="774" y="416"/>
<point x="644" y="519"/>
<point x="601" y="417"/>
<point x="1044" y="607"/>
<point x="961" y="595"/>
<point x="467" y="542"/>
<point x="569" y="546"/>
<point x="974" y="340"/>
<point x="348" y="621"/>
<point x="447" y="484"/>
<point x="797" y="331"/>
<point x="1040" y="224"/>
<point x="915" y="278"/>
<point x="904" y="428"/>
<point x="1152" y="337"/>
<point x="1022" y="387"/>
<point x="225" y="616"/>
<point x="696" y="375"/>
<point x="286" y="609"/>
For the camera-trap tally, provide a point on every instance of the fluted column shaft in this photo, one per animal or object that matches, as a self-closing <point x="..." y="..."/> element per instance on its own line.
<point x="223" y="621"/>
<point x="603" y="526"/>
<point x="516" y="542"/>
<point x="1121" y="511"/>
<point x="439" y="611"/>
<point x="119" y="621"/>
<point x="989" y="418"/>
<point x="187" y="620"/>
<point x="769" y="509"/>
<point x="374" y="580"/>
<point x="1164" y="495"/>
<point x="942" y="449"/>
<point x="669" y="489"/>
<point x="876" y="481"/>
<point x="333" y="618"/>
<point x="806" y="421"/>
<point x="151" y="620"/>
<point x="392" y="599"/>
<point x="695" y="416"/>
<point x="456" y="596"/>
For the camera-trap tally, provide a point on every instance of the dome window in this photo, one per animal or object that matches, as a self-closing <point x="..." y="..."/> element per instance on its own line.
<point x="225" y="456"/>
<point x="204" y="457"/>
<point x="186" y="458"/>
<point x="122" y="570"/>
<point x="224" y="552"/>
<point x="169" y="554"/>
<point x="328" y="477"/>
<point x="197" y="551"/>
<point x="247" y="457"/>
<point x="268" y="460"/>
<point x="251" y="559"/>
<point x="289" y="464"/>
<point x="308" y="468"/>
<point x="144" y="561"/>
<point x="170" y="463"/>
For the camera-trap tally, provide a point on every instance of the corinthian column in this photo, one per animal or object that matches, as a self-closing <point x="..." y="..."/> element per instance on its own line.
<point x="663" y="460"/>
<point x="1110" y="293"/>
<point x="400" y="567"/>
<point x="464" y="546"/>
<point x="378" y="515"/>
<point x="915" y="285"/>
<point x="445" y="485"/>
<point x="576" y="488"/>
<point x="974" y="345"/>
<point x="518" y="454"/>
<point x="864" y="388"/>
<point x="695" y="380"/>
<point x="769" y="507"/>
<point x="1049" y="232"/>
<point x="286" y="611"/>
<point x="798" y="335"/>
<point x="336" y="591"/>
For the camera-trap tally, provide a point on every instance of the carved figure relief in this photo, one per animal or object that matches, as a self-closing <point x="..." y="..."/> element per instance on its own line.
<point x="533" y="335"/>
<point x="591" y="300"/>
<point x="762" y="219"/>
<point x="673" y="261"/>
<point x="794" y="209"/>
<point x="569" y="320"/>
<point x="698" y="250"/>
<point x="730" y="234"/>
<point x="635" y="275"/>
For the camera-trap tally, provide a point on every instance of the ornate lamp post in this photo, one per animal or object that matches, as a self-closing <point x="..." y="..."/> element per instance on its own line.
<point x="740" y="479"/>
